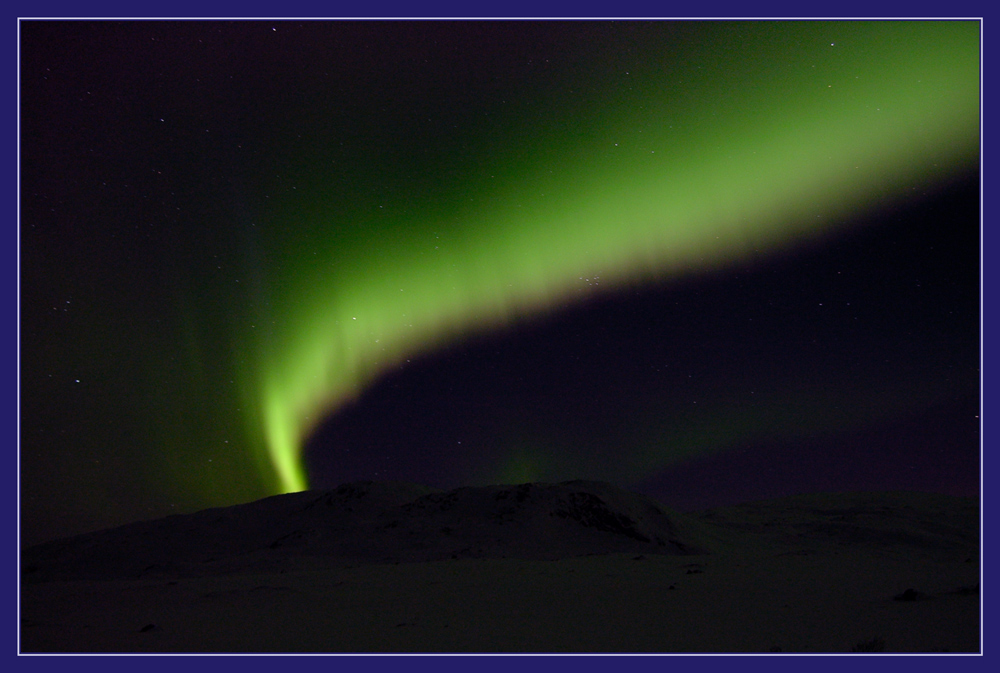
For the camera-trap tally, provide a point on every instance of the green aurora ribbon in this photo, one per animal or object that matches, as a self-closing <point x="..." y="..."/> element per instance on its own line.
<point x="758" y="136"/>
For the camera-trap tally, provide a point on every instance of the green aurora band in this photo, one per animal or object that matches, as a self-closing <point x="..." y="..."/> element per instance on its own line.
<point x="769" y="134"/>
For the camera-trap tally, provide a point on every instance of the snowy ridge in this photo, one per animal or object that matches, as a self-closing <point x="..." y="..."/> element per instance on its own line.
<point x="374" y="522"/>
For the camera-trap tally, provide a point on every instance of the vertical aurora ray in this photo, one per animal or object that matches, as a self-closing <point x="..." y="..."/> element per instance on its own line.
<point x="770" y="133"/>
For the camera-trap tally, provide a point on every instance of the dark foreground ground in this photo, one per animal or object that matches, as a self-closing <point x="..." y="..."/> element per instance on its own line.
<point x="575" y="567"/>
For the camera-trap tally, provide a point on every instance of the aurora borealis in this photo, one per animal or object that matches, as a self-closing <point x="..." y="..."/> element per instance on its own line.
<point x="232" y="231"/>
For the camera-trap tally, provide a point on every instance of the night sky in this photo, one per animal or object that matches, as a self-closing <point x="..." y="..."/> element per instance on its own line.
<point x="710" y="262"/>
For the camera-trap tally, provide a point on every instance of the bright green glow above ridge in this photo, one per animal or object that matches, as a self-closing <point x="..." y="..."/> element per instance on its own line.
<point x="771" y="133"/>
